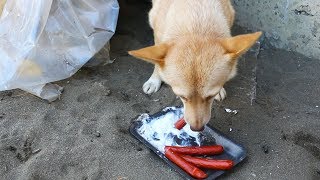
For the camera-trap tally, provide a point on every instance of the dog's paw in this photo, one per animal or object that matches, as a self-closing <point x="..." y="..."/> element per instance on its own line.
<point x="221" y="95"/>
<point x="151" y="86"/>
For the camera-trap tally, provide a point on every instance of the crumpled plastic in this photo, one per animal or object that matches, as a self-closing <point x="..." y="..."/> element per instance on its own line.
<point x="43" y="41"/>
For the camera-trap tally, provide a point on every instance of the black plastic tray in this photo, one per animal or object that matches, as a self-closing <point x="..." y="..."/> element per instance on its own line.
<point x="232" y="150"/>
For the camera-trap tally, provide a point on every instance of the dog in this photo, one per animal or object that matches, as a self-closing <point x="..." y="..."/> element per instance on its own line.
<point x="194" y="53"/>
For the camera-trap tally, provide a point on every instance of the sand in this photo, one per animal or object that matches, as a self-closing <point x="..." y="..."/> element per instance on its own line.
<point x="84" y="135"/>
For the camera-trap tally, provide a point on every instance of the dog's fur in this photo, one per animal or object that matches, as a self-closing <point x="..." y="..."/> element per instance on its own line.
<point x="2" y="3"/>
<point x="194" y="52"/>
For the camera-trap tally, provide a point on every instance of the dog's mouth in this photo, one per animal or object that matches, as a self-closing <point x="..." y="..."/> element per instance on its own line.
<point x="197" y="129"/>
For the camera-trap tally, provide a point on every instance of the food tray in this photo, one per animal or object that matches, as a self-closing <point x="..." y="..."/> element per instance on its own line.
<point x="232" y="150"/>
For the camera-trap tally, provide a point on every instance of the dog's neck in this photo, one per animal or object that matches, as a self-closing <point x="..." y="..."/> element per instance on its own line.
<point x="195" y="36"/>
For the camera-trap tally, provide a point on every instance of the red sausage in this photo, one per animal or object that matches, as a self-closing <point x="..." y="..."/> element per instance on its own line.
<point x="195" y="150"/>
<point x="209" y="163"/>
<point x="189" y="168"/>
<point x="180" y="124"/>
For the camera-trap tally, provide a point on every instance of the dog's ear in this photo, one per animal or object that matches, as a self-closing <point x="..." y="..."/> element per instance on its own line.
<point x="153" y="54"/>
<point x="238" y="45"/>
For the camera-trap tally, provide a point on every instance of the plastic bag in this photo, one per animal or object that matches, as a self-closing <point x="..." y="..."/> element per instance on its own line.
<point x="43" y="41"/>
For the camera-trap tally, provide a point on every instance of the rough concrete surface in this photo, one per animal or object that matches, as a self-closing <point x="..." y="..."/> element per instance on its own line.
<point x="84" y="135"/>
<point x="289" y="24"/>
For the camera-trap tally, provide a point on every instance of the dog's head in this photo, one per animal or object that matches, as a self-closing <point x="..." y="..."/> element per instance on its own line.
<point x="196" y="69"/>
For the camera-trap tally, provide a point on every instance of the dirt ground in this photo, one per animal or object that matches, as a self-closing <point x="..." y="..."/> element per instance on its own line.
<point x="84" y="135"/>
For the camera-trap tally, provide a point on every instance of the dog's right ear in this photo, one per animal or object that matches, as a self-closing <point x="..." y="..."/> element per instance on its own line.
<point x="238" y="45"/>
<point x="153" y="54"/>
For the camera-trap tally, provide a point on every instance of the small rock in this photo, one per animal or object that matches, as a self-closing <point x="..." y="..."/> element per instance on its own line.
<point x="9" y="94"/>
<point x="265" y="149"/>
<point x="231" y="111"/>
<point x="125" y="96"/>
<point x="97" y="134"/>
<point x="20" y="157"/>
<point x="12" y="148"/>
<point x="139" y="149"/>
<point x="284" y="137"/>
<point x="36" y="151"/>
<point x="107" y="92"/>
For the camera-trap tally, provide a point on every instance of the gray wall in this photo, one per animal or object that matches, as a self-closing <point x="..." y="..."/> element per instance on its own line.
<point x="288" y="24"/>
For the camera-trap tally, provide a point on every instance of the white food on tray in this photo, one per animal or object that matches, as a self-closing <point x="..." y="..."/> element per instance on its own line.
<point x="160" y="131"/>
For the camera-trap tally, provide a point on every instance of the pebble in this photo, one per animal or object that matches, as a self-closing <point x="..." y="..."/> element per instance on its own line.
<point x="97" y="134"/>
<point x="265" y="149"/>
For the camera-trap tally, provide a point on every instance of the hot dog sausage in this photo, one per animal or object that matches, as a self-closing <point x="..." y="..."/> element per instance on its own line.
<point x="195" y="150"/>
<point x="209" y="163"/>
<point x="180" y="124"/>
<point x="189" y="168"/>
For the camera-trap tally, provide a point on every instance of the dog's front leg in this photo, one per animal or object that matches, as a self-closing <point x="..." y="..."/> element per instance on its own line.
<point x="154" y="82"/>
<point x="221" y="95"/>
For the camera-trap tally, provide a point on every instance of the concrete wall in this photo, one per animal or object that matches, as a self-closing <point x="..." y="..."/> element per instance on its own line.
<point x="288" y="24"/>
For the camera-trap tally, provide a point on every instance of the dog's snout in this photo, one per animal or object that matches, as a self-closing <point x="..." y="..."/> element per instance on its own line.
<point x="197" y="129"/>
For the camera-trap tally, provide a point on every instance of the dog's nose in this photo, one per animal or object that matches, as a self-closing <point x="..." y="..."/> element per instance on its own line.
<point x="197" y="129"/>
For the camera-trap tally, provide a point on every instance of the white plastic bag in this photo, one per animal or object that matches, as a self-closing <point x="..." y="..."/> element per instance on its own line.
<point x="43" y="41"/>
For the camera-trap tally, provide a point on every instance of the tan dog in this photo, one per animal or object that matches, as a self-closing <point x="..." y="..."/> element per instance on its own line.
<point x="194" y="53"/>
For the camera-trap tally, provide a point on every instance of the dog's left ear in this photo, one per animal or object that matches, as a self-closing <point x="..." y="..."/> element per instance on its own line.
<point x="153" y="54"/>
<point x="238" y="45"/>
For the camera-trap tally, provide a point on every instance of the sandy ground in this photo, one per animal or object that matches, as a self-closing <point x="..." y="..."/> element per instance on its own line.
<point x="84" y="135"/>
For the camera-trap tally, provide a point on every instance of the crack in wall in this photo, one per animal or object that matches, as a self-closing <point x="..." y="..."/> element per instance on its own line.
<point x="256" y="49"/>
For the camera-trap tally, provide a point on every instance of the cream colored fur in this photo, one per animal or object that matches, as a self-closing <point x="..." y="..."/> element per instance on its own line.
<point x="2" y="3"/>
<point x="194" y="52"/>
